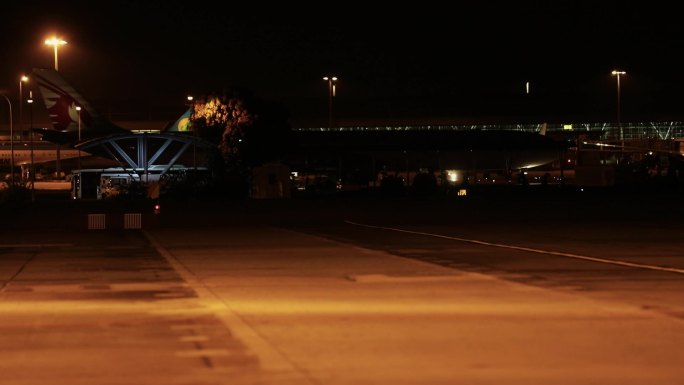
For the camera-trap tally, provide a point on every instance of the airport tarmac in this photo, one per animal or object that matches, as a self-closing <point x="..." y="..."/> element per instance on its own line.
<point x="402" y="299"/>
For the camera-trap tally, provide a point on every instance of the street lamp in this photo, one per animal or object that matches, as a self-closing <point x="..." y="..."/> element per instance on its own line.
<point x="331" y="94"/>
<point x="78" y="109"/>
<point x="55" y="43"/>
<point x="33" y="166"/>
<point x="23" y="79"/>
<point x="194" y="135"/>
<point x="11" y="140"/>
<point x="617" y="74"/>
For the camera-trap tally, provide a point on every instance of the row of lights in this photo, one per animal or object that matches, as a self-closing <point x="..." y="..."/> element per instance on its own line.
<point x="332" y="80"/>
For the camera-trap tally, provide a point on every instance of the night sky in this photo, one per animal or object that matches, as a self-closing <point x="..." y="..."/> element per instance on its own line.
<point x="442" y="62"/>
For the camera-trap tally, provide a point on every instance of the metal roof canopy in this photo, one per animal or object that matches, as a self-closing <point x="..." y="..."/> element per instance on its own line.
<point x="144" y="149"/>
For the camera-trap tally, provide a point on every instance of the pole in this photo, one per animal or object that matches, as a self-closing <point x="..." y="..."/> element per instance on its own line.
<point x="56" y="59"/>
<point x="33" y="165"/>
<point x="21" y="120"/>
<point x="55" y="43"/>
<point x="21" y="104"/>
<point x="331" y="94"/>
<point x="11" y="141"/>
<point x="622" y="137"/>
<point x="78" y="109"/>
<point x="617" y="74"/>
<point x="329" y="103"/>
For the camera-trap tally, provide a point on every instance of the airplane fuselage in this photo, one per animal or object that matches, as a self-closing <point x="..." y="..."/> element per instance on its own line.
<point x="40" y="152"/>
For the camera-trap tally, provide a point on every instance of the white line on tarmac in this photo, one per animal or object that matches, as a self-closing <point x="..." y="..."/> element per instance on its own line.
<point x="270" y="358"/>
<point x="15" y="245"/>
<point x="556" y="253"/>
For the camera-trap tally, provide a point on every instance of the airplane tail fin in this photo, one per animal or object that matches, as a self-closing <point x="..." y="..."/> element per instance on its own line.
<point x="62" y="100"/>
<point x="542" y="130"/>
<point x="182" y="124"/>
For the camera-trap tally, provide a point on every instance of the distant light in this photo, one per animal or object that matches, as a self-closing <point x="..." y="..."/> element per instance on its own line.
<point x="30" y="101"/>
<point x="452" y="176"/>
<point x="24" y="78"/>
<point x="190" y="98"/>
<point x="567" y="126"/>
<point x="650" y="153"/>
<point x="54" y="41"/>
<point x="527" y="88"/>
<point x="617" y="72"/>
<point x="462" y="192"/>
<point x="78" y="108"/>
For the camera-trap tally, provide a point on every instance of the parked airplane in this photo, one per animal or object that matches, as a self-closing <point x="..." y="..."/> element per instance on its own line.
<point x="42" y="152"/>
<point x="69" y="123"/>
<point x="62" y="102"/>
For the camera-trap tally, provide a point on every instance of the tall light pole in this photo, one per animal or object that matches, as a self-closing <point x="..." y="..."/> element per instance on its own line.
<point x="331" y="94"/>
<point x="33" y="166"/>
<point x="55" y="42"/>
<point x="78" y="109"/>
<point x="23" y="79"/>
<point x="194" y="136"/>
<point x="11" y="140"/>
<point x="617" y="74"/>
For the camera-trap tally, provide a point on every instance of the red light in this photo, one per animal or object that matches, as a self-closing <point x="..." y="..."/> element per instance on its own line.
<point x="157" y="208"/>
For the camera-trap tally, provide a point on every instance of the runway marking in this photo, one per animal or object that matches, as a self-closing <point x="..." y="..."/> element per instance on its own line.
<point x="270" y="357"/>
<point x="40" y="245"/>
<point x="538" y="251"/>
<point x="5" y="284"/>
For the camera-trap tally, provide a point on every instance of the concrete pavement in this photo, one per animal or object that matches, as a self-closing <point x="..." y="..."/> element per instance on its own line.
<point x="262" y="305"/>
<point x="345" y="315"/>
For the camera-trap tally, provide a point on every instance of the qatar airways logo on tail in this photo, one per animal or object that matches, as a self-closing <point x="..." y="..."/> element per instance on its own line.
<point x="63" y="112"/>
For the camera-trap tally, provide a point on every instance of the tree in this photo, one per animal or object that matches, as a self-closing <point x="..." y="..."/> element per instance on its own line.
<point x="248" y="131"/>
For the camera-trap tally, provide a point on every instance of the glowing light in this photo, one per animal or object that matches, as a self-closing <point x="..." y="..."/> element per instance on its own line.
<point x="55" y="43"/>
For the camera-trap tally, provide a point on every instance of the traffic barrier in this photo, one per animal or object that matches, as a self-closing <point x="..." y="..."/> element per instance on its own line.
<point x="96" y="221"/>
<point x="132" y="221"/>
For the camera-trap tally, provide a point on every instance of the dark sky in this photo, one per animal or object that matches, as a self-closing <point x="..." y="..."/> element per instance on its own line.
<point x="442" y="61"/>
